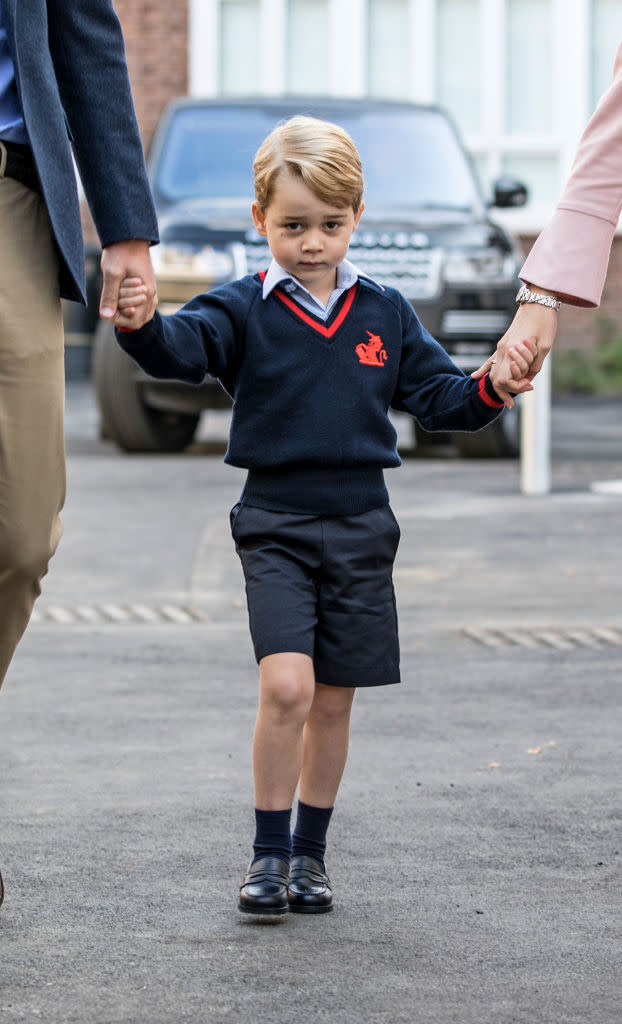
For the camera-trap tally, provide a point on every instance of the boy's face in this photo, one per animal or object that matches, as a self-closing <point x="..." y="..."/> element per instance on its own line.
<point x="307" y="237"/>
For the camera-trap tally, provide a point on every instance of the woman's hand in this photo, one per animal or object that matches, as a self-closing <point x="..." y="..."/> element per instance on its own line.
<point x="532" y="331"/>
<point x="520" y="358"/>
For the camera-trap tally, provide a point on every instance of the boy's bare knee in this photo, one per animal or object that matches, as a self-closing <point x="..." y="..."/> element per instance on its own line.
<point x="287" y="684"/>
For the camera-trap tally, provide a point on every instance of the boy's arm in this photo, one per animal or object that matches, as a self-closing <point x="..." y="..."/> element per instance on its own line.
<point x="166" y="348"/>
<point x="436" y="391"/>
<point x="203" y="337"/>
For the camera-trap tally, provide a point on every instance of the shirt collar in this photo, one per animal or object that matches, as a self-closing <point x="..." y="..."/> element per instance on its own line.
<point x="347" y="275"/>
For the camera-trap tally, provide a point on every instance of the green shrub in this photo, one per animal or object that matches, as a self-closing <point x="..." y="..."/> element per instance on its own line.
<point x="598" y="371"/>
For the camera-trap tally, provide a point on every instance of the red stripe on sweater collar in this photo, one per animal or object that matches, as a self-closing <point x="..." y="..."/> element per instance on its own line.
<point x="326" y="332"/>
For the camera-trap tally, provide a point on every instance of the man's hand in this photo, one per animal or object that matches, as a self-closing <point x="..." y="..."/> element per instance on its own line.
<point x="532" y="331"/>
<point x="120" y="261"/>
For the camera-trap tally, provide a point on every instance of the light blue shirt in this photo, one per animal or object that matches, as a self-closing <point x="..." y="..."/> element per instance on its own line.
<point x="11" y="120"/>
<point x="347" y="275"/>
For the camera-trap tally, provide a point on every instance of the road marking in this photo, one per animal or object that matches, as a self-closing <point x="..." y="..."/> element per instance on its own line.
<point x="116" y="614"/>
<point x="570" y="638"/>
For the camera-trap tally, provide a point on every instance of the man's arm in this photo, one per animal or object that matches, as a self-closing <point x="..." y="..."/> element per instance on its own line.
<point x="88" y="52"/>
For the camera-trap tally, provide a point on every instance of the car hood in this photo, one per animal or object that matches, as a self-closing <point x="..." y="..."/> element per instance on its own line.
<point x="220" y="222"/>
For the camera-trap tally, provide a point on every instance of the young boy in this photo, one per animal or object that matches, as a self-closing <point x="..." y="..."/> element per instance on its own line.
<point x="313" y="354"/>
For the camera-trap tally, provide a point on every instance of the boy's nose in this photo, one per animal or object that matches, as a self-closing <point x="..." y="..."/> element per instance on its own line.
<point x="311" y="242"/>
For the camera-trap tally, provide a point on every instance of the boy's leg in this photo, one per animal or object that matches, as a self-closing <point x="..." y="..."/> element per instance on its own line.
<point x="286" y="695"/>
<point x="286" y="689"/>
<point x="325" y="750"/>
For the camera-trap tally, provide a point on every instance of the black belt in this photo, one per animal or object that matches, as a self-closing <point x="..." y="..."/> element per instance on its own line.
<point x="17" y="161"/>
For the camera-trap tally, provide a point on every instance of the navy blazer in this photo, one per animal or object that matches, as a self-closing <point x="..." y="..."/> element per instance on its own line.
<point x="74" y="88"/>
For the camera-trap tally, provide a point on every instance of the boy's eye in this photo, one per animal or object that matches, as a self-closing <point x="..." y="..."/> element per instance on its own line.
<point x="332" y="225"/>
<point x="293" y="225"/>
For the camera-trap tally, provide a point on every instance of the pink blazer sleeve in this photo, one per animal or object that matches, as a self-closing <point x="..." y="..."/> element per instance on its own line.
<point x="571" y="255"/>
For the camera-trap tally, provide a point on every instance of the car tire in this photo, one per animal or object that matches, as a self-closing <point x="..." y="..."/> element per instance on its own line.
<point x="499" y="440"/>
<point x="126" y="418"/>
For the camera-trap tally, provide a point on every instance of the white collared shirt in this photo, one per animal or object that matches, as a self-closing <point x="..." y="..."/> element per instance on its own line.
<point x="347" y="275"/>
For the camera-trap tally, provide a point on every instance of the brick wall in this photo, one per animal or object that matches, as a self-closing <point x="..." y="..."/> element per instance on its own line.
<point x="578" y="328"/>
<point x="156" y="41"/>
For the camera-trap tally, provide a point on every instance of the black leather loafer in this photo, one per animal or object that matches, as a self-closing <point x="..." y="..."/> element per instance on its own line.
<point x="309" y="890"/>
<point x="264" y="889"/>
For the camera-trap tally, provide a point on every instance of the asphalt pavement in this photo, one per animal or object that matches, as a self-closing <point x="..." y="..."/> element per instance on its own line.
<point x="475" y="848"/>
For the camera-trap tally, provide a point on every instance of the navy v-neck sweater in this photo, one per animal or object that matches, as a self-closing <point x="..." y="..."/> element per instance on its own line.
<point x="311" y="398"/>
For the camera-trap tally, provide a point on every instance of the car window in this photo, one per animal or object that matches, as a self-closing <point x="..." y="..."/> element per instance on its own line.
<point x="411" y="158"/>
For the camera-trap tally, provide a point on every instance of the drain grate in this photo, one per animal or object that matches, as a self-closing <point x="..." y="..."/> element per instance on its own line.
<point x="117" y="614"/>
<point x="570" y="639"/>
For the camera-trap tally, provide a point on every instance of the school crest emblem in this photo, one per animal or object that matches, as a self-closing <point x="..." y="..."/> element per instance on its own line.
<point x="372" y="353"/>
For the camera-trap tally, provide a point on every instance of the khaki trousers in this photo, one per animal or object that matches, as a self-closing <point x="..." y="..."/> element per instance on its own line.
<point x="32" y="450"/>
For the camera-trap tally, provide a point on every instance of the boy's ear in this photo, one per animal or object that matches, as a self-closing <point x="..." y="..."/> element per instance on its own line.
<point x="357" y="216"/>
<point x="259" y="219"/>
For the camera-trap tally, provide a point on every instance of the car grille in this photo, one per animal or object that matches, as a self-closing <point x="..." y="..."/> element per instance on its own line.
<point x="478" y="322"/>
<point x="415" y="272"/>
<point x="257" y="255"/>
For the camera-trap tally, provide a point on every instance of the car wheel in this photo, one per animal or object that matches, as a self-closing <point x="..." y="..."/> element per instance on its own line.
<point x="499" y="440"/>
<point x="126" y="418"/>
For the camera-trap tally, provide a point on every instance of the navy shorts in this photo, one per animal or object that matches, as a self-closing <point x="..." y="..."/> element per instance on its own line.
<point x="323" y="586"/>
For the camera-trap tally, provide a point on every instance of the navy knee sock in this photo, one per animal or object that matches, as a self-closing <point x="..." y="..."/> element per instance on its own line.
<point x="272" y="834"/>
<point x="309" y="836"/>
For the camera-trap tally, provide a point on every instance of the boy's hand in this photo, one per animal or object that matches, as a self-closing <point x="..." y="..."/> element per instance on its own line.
<point x="133" y="297"/>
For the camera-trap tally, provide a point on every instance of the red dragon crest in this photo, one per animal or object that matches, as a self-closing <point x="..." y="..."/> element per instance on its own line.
<point x="372" y="353"/>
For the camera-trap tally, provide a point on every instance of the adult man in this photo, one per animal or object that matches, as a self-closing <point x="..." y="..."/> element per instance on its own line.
<point x="63" y="83"/>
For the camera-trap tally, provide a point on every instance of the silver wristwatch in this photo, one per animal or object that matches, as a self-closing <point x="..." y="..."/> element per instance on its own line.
<point x="525" y="294"/>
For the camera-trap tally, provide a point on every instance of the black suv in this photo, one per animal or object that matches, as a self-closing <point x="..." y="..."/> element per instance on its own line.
<point x="425" y="231"/>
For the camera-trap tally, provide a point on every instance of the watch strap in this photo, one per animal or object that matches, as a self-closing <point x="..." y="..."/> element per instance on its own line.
<point x="525" y="294"/>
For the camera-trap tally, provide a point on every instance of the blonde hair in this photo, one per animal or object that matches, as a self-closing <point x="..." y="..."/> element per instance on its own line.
<point x="321" y="154"/>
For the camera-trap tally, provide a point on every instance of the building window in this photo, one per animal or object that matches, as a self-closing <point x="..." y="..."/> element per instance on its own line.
<point x="308" y="46"/>
<point x="606" y="37"/>
<point x="538" y="171"/>
<point x="529" y="62"/>
<point x="458" y="61"/>
<point x="239" y="51"/>
<point x="388" y="48"/>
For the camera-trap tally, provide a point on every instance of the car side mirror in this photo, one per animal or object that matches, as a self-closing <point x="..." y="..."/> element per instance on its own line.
<point x="509" y="192"/>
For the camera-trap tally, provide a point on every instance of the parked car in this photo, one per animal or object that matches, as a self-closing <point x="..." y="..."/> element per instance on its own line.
<point x="425" y="230"/>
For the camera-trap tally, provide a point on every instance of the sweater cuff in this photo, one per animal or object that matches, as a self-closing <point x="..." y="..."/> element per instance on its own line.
<point x="488" y="394"/>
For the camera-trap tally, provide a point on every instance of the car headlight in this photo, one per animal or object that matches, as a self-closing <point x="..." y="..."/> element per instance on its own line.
<point x="488" y="266"/>
<point x="176" y="261"/>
